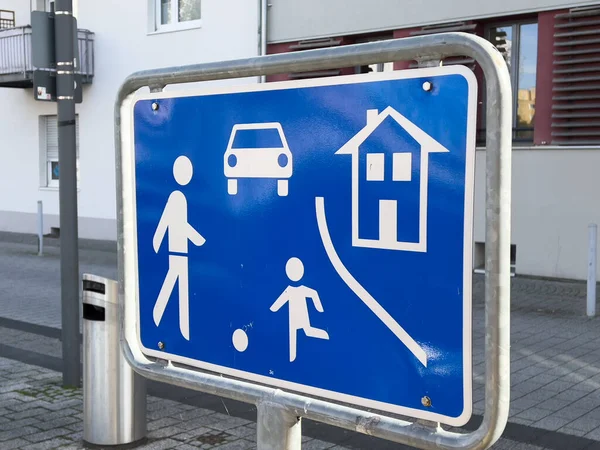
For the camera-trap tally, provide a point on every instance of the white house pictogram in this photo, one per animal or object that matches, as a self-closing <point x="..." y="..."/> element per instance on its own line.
<point x="401" y="172"/>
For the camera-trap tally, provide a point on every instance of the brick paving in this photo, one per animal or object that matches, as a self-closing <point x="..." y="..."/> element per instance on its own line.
<point x="555" y="350"/>
<point x="554" y="386"/>
<point x="37" y="413"/>
<point x="536" y="295"/>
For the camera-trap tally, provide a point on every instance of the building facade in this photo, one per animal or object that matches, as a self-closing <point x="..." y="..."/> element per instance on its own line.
<point x="116" y="38"/>
<point x="552" y="48"/>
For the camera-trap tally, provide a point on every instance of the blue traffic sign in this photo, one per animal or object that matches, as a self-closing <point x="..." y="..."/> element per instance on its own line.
<point x="312" y="235"/>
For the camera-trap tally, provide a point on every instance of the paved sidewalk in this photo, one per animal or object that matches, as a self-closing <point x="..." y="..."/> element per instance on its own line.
<point x="37" y="414"/>
<point x="30" y="284"/>
<point x="555" y="349"/>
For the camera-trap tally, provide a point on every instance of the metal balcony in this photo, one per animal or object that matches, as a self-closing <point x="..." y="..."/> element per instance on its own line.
<point x="16" y="68"/>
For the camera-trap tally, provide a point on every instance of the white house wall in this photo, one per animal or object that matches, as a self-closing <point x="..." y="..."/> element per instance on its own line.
<point x="555" y="197"/>
<point x="20" y="149"/>
<point x="21" y="9"/>
<point x="123" y="44"/>
<point x="292" y="20"/>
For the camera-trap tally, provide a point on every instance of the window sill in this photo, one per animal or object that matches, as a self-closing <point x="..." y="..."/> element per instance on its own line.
<point x="184" y="26"/>
<point x="52" y="188"/>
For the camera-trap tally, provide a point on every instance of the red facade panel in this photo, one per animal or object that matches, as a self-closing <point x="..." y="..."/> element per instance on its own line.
<point x="542" y="133"/>
<point x="567" y="80"/>
<point x="575" y="118"/>
<point x="399" y="65"/>
<point x="278" y="48"/>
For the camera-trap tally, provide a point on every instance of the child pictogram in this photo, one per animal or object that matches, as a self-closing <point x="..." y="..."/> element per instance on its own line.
<point x="297" y="299"/>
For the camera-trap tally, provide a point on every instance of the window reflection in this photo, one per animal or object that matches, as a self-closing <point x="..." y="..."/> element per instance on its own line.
<point x="518" y="45"/>
<point x="526" y="78"/>
<point x="189" y="10"/>
<point x="502" y="38"/>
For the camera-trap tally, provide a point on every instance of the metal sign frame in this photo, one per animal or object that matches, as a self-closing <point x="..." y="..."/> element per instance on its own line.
<point x="165" y="350"/>
<point x="279" y="412"/>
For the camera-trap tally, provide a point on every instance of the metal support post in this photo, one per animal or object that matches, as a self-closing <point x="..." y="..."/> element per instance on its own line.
<point x="24" y="42"/>
<point x="262" y="31"/>
<point x="69" y="257"/>
<point x="40" y="223"/>
<point x="591" y="278"/>
<point x="86" y="70"/>
<point x="277" y="428"/>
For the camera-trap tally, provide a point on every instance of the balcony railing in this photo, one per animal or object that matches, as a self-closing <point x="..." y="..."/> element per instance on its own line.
<point x="16" y="65"/>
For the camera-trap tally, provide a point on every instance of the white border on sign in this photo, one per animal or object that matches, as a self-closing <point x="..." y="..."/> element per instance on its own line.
<point x="130" y="244"/>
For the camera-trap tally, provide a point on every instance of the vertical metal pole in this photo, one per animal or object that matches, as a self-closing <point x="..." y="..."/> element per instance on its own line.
<point x="591" y="278"/>
<point x="277" y="428"/>
<point x="85" y="72"/>
<point x="263" y="5"/>
<point x="24" y="52"/>
<point x="69" y="257"/>
<point x="92" y="60"/>
<point x="40" y="214"/>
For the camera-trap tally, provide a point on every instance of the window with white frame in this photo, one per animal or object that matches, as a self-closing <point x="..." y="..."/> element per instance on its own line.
<point x="177" y="14"/>
<point x="49" y="166"/>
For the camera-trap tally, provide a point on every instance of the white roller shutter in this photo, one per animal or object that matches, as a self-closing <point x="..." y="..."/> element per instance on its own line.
<point x="52" y="138"/>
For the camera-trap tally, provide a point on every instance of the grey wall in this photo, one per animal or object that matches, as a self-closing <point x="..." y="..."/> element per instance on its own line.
<point x="554" y="198"/>
<point x="89" y="227"/>
<point x="291" y="20"/>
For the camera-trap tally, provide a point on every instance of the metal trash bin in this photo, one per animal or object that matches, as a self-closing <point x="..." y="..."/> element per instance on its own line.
<point x="114" y="396"/>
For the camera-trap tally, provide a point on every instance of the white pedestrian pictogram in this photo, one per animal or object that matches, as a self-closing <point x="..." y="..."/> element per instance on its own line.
<point x="296" y="297"/>
<point x="174" y="220"/>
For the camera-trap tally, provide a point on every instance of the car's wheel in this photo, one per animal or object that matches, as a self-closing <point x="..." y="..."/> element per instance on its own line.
<point x="232" y="186"/>
<point x="282" y="188"/>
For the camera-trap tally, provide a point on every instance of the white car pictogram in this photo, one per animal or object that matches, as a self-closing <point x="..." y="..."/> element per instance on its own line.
<point x="252" y="159"/>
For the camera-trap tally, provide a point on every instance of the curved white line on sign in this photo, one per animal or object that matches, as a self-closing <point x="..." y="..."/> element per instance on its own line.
<point x="360" y="291"/>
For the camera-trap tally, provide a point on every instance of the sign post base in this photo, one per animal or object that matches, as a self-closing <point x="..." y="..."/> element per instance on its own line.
<point x="277" y="428"/>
